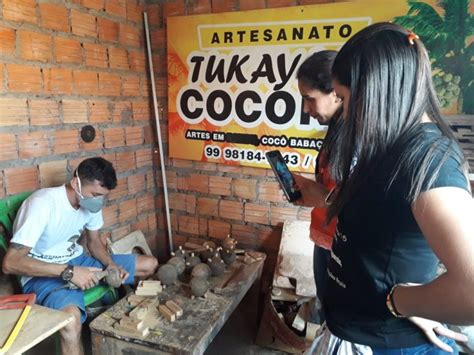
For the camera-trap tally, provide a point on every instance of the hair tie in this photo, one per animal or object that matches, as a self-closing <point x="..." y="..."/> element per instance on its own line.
<point x="411" y="37"/>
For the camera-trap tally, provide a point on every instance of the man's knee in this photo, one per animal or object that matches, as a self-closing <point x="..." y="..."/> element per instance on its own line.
<point x="147" y="265"/>
<point x="73" y="329"/>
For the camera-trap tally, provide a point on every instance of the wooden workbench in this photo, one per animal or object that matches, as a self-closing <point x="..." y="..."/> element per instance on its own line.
<point x="40" y="324"/>
<point x="189" y="334"/>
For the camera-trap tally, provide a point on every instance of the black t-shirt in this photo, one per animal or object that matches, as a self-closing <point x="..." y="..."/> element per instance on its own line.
<point x="378" y="244"/>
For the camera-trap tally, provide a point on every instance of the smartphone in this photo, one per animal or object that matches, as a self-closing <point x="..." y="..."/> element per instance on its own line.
<point x="283" y="174"/>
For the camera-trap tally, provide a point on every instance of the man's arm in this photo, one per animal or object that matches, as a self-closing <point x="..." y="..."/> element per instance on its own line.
<point x="17" y="261"/>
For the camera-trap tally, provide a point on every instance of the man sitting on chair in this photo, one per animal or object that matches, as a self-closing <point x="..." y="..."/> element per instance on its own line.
<point x="45" y="252"/>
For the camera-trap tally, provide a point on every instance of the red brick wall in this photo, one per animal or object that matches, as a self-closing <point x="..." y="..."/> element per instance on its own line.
<point x="65" y="64"/>
<point x="211" y="200"/>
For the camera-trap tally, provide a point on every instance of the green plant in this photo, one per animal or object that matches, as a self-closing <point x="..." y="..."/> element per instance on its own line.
<point x="446" y="36"/>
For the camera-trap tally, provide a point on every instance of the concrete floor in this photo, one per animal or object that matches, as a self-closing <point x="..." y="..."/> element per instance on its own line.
<point x="235" y="338"/>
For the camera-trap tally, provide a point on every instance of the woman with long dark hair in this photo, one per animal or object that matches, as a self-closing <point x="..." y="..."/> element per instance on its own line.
<point x="403" y="207"/>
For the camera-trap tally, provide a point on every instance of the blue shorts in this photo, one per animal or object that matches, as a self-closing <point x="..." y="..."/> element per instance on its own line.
<point x="50" y="293"/>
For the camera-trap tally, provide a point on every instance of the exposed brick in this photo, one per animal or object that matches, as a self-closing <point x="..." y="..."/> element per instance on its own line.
<point x="145" y="203"/>
<point x="150" y="181"/>
<point x="74" y="111"/>
<point x="175" y="8"/>
<point x="99" y="111"/>
<point x="154" y="14"/>
<point x="21" y="179"/>
<point x="114" y="137"/>
<point x="224" y="6"/>
<point x="231" y="209"/>
<point x="34" y="144"/>
<point x="158" y="38"/>
<point x="206" y="166"/>
<point x="229" y="169"/>
<point x="304" y="214"/>
<point x="24" y="78"/>
<point x="53" y="173"/>
<point x="207" y="206"/>
<point x="120" y="232"/>
<point x="86" y="82"/>
<point x="93" y="4"/>
<point x="97" y="143"/>
<point x="2" y="76"/>
<point x="136" y="184"/>
<point x="281" y="3"/>
<point x="198" y="183"/>
<point x="116" y="7"/>
<point x="66" y="141"/>
<point x="13" y="112"/>
<point x="133" y="135"/>
<point x="137" y="61"/>
<point x="245" y="188"/>
<point x="109" y="84"/>
<point x="251" y="4"/>
<point x="141" y="110"/>
<point x="257" y="213"/>
<point x="144" y="157"/>
<point x="125" y="161"/>
<point x="218" y="229"/>
<point x="122" y="111"/>
<point x="8" y="148"/>
<point x="83" y="24"/>
<point x="244" y="234"/>
<point x="129" y="36"/>
<point x="127" y="210"/>
<point x="67" y="50"/>
<point x="180" y="202"/>
<point x="134" y="11"/>
<point x="220" y="185"/>
<point x="141" y="225"/>
<point x="130" y="86"/>
<point x="7" y="41"/>
<point x="199" y="7"/>
<point x="118" y="58"/>
<point x="120" y="190"/>
<point x="58" y="81"/>
<point x="20" y="10"/>
<point x="44" y="112"/>
<point x="96" y="55"/>
<point x="188" y="224"/>
<point x="270" y="191"/>
<point x="110" y="215"/>
<point x="183" y="164"/>
<point x="35" y="46"/>
<point x="54" y="17"/>
<point x="108" y="30"/>
<point x="253" y="171"/>
<point x="282" y="214"/>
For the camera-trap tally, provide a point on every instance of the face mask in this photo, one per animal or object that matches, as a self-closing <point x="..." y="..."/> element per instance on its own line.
<point x="91" y="204"/>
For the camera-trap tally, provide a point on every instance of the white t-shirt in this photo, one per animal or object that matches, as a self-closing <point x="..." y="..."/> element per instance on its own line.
<point x="48" y="224"/>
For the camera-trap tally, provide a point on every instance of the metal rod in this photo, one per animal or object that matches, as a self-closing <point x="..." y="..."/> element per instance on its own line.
<point x="158" y="132"/>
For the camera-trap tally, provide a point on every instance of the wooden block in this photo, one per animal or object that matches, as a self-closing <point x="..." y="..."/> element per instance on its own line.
<point x="131" y="323"/>
<point x="132" y="332"/>
<point x="148" y="288"/>
<point x="175" y="308"/>
<point x="167" y="313"/>
<point x="135" y="300"/>
<point x="140" y="311"/>
<point x="149" y="283"/>
<point x="311" y="329"/>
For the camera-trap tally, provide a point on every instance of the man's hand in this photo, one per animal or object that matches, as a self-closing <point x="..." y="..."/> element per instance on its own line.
<point x="123" y="273"/>
<point x="432" y="329"/>
<point x="85" y="277"/>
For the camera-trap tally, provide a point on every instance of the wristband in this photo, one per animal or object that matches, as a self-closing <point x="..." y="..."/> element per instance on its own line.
<point x="391" y="305"/>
